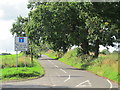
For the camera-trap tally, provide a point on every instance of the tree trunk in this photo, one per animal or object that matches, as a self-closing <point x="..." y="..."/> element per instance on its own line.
<point x="85" y="47"/>
<point x="64" y="49"/>
<point x="85" y="44"/>
<point x="96" y="52"/>
<point x="31" y="56"/>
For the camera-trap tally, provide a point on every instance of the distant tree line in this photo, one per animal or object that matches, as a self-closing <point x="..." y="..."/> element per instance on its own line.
<point x="61" y="25"/>
<point x="5" y="54"/>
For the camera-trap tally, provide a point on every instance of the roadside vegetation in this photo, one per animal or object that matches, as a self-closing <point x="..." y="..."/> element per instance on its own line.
<point x="105" y="65"/>
<point x="10" y="72"/>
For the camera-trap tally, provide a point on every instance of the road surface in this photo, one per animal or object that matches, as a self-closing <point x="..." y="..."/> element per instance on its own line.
<point x="60" y="75"/>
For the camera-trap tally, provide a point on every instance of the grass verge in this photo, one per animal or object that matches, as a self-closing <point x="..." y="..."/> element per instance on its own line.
<point x="10" y="72"/>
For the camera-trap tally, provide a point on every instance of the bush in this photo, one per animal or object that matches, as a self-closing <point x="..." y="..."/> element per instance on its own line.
<point x="105" y="52"/>
<point x="59" y="54"/>
<point x="79" y="52"/>
<point x="86" y="58"/>
<point x="116" y="52"/>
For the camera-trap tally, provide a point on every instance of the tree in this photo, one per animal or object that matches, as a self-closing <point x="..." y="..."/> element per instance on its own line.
<point x="83" y="26"/>
<point x="104" y="28"/>
<point x="46" y="22"/>
<point x="59" y="30"/>
<point x="65" y="24"/>
<point x="18" y="26"/>
<point x="20" y="29"/>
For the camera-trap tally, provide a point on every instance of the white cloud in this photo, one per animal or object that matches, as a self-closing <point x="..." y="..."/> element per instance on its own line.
<point x="13" y="8"/>
<point x="5" y="27"/>
<point x="111" y="49"/>
<point x="13" y="2"/>
<point x="9" y="10"/>
<point x="6" y="38"/>
<point x="1" y="13"/>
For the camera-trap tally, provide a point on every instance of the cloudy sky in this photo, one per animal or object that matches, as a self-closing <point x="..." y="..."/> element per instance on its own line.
<point x="9" y="10"/>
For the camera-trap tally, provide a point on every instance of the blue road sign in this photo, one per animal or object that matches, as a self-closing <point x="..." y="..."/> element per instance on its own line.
<point x="21" y="39"/>
<point x="21" y="43"/>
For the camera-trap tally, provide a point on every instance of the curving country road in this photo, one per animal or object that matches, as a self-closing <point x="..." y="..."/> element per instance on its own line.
<point x="60" y="75"/>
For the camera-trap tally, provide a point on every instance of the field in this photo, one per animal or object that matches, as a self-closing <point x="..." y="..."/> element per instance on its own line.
<point x="104" y="65"/>
<point x="10" y="61"/>
<point x="25" y="69"/>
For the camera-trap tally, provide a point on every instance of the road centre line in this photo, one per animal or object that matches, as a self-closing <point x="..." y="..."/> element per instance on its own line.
<point x="49" y="60"/>
<point x="54" y="85"/>
<point x="53" y="63"/>
<point x="58" y="75"/>
<point x="56" y="66"/>
<point x="67" y="79"/>
<point x="110" y="84"/>
<point x="63" y="70"/>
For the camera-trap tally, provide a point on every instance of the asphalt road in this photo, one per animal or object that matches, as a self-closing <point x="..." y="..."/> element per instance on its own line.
<point x="60" y="75"/>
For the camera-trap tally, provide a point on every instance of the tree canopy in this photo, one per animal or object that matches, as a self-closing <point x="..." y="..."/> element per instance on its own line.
<point x="65" y="24"/>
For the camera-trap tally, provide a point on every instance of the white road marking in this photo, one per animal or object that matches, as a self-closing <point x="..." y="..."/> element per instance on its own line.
<point x="53" y="85"/>
<point x="52" y="63"/>
<point x="56" y="66"/>
<point x="63" y="70"/>
<point x="82" y="84"/>
<point x="110" y="84"/>
<point x="58" y="75"/>
<point x="49" y="60"/>
<point x="67" y="79"/>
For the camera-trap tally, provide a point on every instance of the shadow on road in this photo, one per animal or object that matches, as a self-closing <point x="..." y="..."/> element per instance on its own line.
<point x="73" y="69"/>
<point x="28" y="87"/>
<point x="59" y="88"/>
<point x="48" y="59"/>
<point x="70" y="76"/>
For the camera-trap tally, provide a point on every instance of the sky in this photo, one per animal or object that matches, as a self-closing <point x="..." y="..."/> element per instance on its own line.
<point x="9" y="10"/>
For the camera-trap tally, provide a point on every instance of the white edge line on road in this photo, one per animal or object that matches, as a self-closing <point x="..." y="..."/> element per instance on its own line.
<point x="84" y="85"/>
<point x="63" y="70"/>
<point x="110" y="84"/>
<point x="67" y="79"/>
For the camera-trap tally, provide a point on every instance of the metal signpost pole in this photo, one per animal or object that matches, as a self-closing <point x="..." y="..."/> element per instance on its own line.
<point x="16" y="53"/>
<point x="25" y="58"/>
<point x="17" y="59"/>
<point x="26" y="39"/>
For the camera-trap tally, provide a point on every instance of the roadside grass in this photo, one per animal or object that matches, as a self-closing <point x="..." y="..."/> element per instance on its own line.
<point x="10" y="72"/>
<point x="104" y="65"/>
<point x="51" y="54"/>
<point x="9" y="60"/>
<point x="22" y="72"/>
